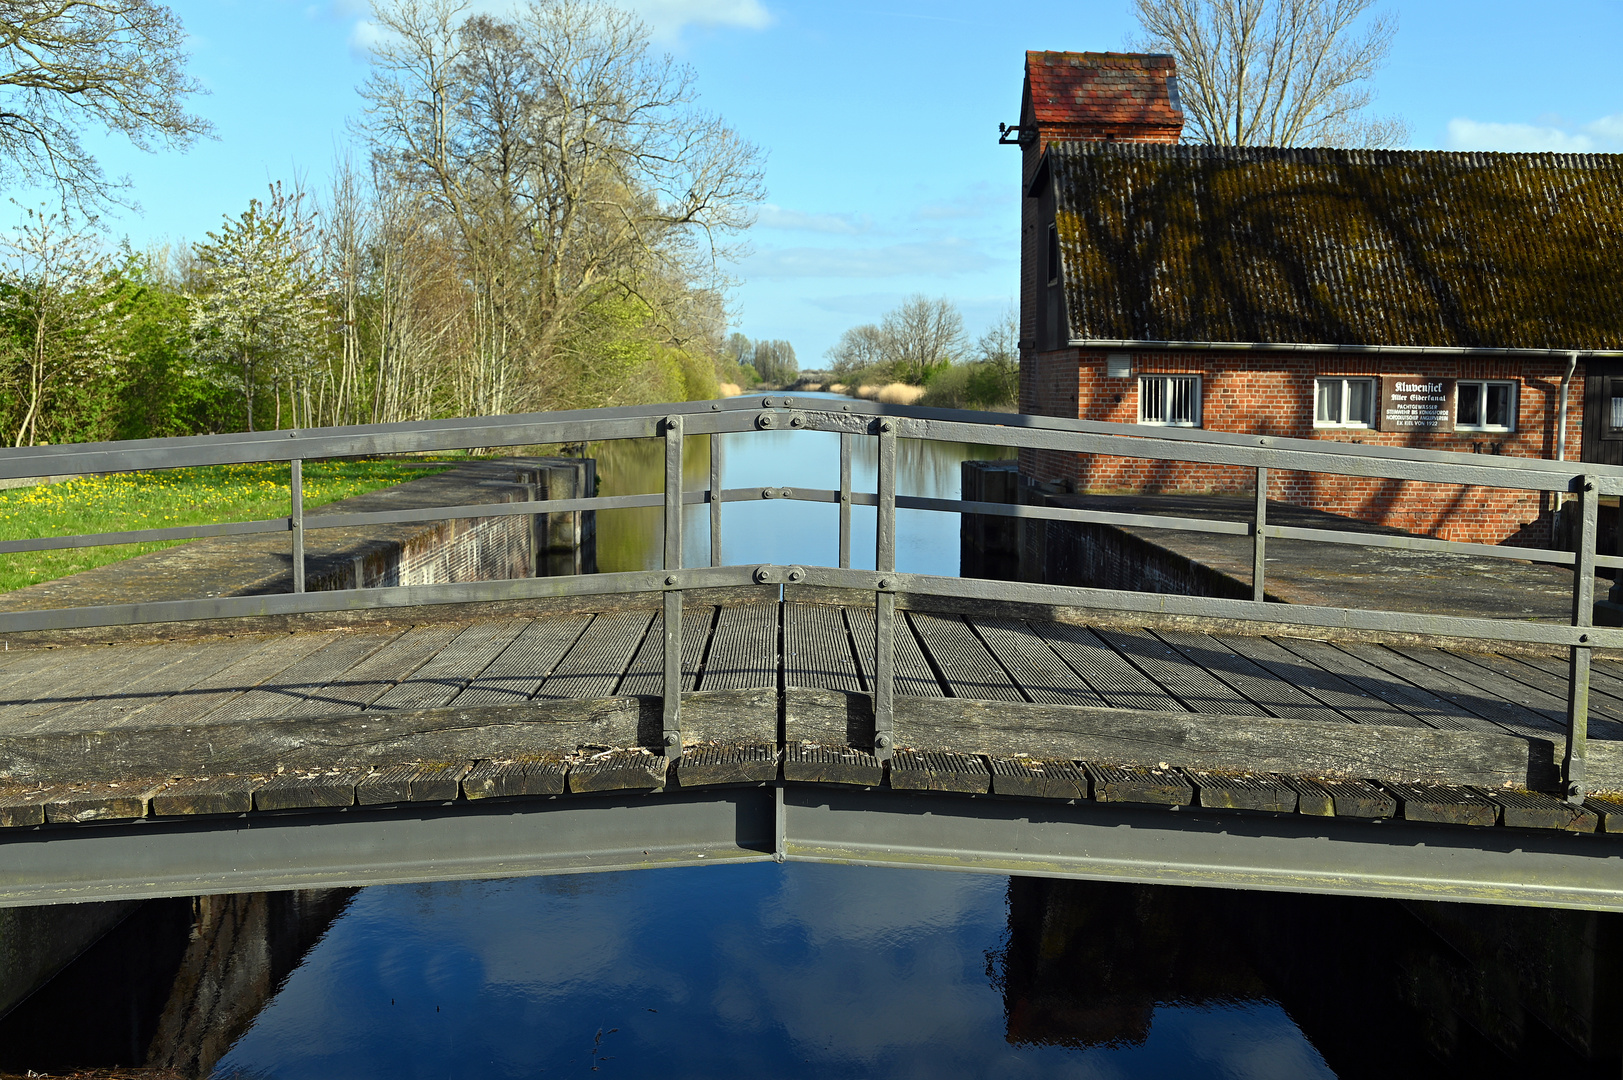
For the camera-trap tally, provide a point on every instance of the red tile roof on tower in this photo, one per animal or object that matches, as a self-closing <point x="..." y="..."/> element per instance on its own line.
<point x="1130" y="89"/>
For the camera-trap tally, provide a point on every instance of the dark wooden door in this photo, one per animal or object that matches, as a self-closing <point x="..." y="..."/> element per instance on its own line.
<point x="1603" y="413"/>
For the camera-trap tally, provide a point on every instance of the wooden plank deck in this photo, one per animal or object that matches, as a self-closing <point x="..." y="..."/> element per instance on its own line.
<point x="1009" y="689"/>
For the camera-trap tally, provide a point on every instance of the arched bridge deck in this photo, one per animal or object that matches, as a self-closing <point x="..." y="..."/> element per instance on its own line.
<point x="722" y="713"/>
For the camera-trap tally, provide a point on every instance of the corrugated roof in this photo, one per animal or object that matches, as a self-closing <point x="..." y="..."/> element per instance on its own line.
<point x="1366" y="247"/>
<point x="1101" y="88"/>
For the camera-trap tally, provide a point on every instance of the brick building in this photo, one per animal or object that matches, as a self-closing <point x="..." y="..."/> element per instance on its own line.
<point x="1440" y="300"/>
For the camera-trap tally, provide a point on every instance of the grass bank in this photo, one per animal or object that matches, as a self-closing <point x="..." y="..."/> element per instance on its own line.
<point x="163" y="499"/>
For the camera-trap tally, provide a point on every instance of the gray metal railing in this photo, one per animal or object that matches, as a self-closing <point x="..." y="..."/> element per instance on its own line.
<point x="674" y="424"/>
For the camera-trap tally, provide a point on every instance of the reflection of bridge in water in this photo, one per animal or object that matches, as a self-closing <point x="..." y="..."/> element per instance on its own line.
<point x="493" y="728"/>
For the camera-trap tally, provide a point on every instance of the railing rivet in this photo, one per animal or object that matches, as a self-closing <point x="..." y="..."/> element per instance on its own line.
<point x="887" y="425"/>
<point x="762" y="573"/>
<point x="1583" y="637"/>
<point x="766" y="493"/>
<point x="884" y="583"/>
<point x="673" y="423"/>
<point x="766" y="420"/>
<point x="670" y="740"/>
<point x="670" y="579"/>
<point x="796" y="573"/>
<point x="881" y="742"/>
<point x="715" y="406"/>
<point x="795" y="421"/>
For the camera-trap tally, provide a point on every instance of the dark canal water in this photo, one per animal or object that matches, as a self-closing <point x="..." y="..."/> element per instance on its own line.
<point x="805" y="970"/>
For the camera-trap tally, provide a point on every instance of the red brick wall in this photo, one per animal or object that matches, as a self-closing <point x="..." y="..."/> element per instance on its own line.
<point x="1272" y="394"/>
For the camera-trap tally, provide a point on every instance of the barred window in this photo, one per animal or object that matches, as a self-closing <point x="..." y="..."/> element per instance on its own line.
<point x="1171" y="400"/>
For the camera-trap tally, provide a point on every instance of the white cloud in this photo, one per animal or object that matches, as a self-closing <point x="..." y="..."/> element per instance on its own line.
<point x="363" y="36"/>
<point x="940" y="258"/>
<point x="979" y="201"/>
<point x="668" y="18"/>
<point x="1552" y="136"/>
<point x="778" y="217"/>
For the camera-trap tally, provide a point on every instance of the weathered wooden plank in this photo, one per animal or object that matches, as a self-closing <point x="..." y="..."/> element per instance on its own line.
<point x="1609" y="809"/>
<point x="1275" y="696"/>
<point x="442" y="678"/>
<point x="1037" y="778"/>
<point x="309" y="789"/>
<point x="22" y="805"/>
<point x="618" y="770"/>
<point x="1036" y="668"/>
<point x="1423" y="705"/>
<point x="645" y="676"/>
<point x="727" y="763"/>
<point x="120" y="800"/>
<point x="1533" y="810"/>
<point x="811" y="764"/>
<point x="514" y="676"/>
<point x="1224" y="743"/>
<point x="828" y="717"/>
<point x="744" y="652"/>
<point x="207" y="694"/>
<point x="963" y="660"/>
<point x="1479" y="711"/>
<point x="914" y="677"/>
<point x="488" y="731"/>
<point x="1116" y="784"/>
<point x="1542" y="710"/>
<point x="732" y="717"/>
<point x="188" y="664"/>
<point x="1230" y="792"/>
<point x="1450" y="803"/>
<point x="376" y="675"/>
<point x="1198" y="690"/>
<point x="229" y="794"/>
<point x="73" y="666"/>
<point x="102" y="672"/>
<point x="939" y="770"/>
<point x="506" y="779"/>
<point x="1342" y="798"/>
<point x="1355" y="704"/>
<point x="1603" y="683"/>
<point x="1605" y="711"/>
<point x="594" y="666"/>
<point x="421" y="782"/>
<point x="1121" y="684"/>
<point x="817" y="649"/>
<point x="276" y="696"/>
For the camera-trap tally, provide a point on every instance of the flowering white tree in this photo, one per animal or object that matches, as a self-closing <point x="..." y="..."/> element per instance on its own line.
<point x="259" y="309"/>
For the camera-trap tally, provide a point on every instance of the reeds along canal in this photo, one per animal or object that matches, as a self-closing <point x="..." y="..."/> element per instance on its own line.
<point x="806" y="970"/>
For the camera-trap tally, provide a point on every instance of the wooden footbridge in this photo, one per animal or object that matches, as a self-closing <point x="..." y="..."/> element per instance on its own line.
<point x="725" y="713"/>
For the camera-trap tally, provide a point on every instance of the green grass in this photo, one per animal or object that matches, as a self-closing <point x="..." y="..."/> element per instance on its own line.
<point x="162" y="499"/>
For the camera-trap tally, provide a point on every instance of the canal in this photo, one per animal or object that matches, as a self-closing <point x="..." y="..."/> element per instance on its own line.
<point x="806" y="970"/>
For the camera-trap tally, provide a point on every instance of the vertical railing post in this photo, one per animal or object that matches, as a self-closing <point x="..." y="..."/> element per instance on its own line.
<point x="672" y="713"/>
<point x="845" y="500"/>
<point x="1573" y="766"/>
<point x="1259" y="543"/>
<point x="884" y="652"/>
<point x="296" y="522"/>
<point x="715" y="499"/>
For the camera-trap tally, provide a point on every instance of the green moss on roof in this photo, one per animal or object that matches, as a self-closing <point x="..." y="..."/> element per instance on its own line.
<point x="1200" y="243"/>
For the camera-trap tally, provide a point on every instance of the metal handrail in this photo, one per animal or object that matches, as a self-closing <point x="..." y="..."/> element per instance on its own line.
<point x="673" y="424"/>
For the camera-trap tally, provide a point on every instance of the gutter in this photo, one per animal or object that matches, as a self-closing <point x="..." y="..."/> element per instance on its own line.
<point x="1561" y="422"/>
<point x="1318" y="347"/>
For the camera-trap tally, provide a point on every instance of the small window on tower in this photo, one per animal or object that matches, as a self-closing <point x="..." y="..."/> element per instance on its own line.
<point x="1053" y="255"/>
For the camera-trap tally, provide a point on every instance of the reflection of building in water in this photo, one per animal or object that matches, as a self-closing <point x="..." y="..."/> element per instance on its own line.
<point x="173" y="986"/>
<point x="1374" y="984"/>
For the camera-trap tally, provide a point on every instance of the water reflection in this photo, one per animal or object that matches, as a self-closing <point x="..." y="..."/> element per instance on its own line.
<point x="782" y="531"/>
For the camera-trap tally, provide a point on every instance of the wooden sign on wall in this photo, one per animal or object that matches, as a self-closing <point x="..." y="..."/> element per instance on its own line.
<point x="1409" y="403"/>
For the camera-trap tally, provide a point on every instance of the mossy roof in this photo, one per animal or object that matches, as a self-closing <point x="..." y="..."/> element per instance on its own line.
<point x="1351" y="247"/>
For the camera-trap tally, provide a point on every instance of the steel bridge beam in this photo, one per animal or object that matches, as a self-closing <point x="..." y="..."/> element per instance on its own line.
<point x="793" y="822"/>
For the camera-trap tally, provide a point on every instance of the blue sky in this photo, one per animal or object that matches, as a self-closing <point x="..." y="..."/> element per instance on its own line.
<point x="879" y="122"/>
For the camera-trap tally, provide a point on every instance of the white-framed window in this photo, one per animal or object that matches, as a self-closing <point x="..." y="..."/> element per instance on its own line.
<point x="1484" y="405"/>
<point x="1169" y="400"/>
<point x="1347" y="403"/>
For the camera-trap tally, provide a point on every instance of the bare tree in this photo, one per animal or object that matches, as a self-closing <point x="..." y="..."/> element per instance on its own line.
<point x="911" y="343"/>
<point x="1276" y="72"/>
<point x="579" y="183"/>
<point x="66" y="64"/>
